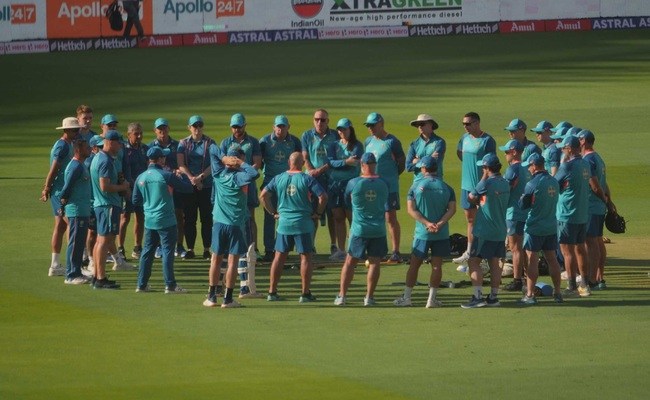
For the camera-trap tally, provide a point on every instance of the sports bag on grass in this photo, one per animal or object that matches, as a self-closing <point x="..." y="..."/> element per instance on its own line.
<point x="114" y="15"/>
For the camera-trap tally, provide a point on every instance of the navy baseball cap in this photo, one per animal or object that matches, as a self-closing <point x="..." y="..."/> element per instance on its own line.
<point x="512" y="145"/>
<point x="108" y="118"/>
<point x="344" y="123"/>
<point x="113" y="135"/>
<point x="533" y="159"/>
<point x="542" y="126"/>
<point x="194" y="119"/>
<point x="373" y="118"/>
<point x="156" y="152"/>
<point x="368" y="158"/>
<point x="428" y="162"/>
<point x="489" y="160"/>
<point x="237" y="120"/>
<point x="563" y="124"/>
<point x="160" y="122"/>
<point x="516" y="124"/>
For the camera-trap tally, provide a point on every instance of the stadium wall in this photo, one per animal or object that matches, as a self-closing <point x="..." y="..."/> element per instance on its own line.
<point x="28" y="26"/>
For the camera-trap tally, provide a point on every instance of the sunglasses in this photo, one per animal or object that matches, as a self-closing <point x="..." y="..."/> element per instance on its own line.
<point x="112" y="125"/>
<point x="320" y="119"/>
<point x="198" y="125"/>
<point x="371" y="125"/>
<point x="236" y="127"/>
<point x="419" y="124"/>
<point x="468" y="123"/>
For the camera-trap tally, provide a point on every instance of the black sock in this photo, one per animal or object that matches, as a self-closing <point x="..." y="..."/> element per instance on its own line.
<point x="213" y="290"/>
<point x="228" y="296"/>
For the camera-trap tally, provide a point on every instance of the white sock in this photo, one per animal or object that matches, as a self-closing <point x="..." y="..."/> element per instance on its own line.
<point x="91" y="263"/>
<point x="478" y="292"/>
<point x="494" y="292"/>
<point x="469" y="246"/>
<point x="56" y="257"/>
<point x="407" y="292"/>
<point x="432" y="293"/>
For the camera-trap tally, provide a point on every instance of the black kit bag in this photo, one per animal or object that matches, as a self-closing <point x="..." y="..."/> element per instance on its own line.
<point x="114" y="15"/>
<point x="614" y="222"/>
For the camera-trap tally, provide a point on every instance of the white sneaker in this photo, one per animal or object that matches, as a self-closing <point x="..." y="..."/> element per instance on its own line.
<point x="56" y="270"/>
<point x="232" y="304"/>
<point x="339" y="255"/>
<point x="433" y="304"/>
<point x="87" y="272"/>
<point x="121" y="265"/>
<point x="80" y="280"/>
<point x="251" y="295"/>
<point x="462" y="259"/>
<point x="339" y="301"/>
<point x="145" y="289"/>
<point x="565" y="275"/>
<point x="176" y="290"/>
<point x="402" y="301"/>
<point x="368" y="301"/>
<point x="210" y="302"/>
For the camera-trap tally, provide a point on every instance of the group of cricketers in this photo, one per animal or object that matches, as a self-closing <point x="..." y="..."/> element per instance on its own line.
<point x="551" y="197"/>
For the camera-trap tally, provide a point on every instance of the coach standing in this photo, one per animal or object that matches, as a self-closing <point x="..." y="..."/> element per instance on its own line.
<point x="132" y="8"/>
<point x="151" y="192"/>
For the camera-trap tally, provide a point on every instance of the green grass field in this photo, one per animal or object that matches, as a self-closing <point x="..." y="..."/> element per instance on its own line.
<point x="74" y="342"/>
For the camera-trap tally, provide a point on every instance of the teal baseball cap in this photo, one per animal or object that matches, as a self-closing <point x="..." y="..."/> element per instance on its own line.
<point x="542" y="126"/>
<point x="281" y="120"/>
<point x="428" y="162"/>
<point x="96" y="140"/>
<point x="344" y="123"/>
<point x="237" y="120"/>
<point x="368" y="158"/>
<point x="160" y="122"/>
<point x="512" y="145"/>
<point x="570" y="141"/>
<point x="108" y="118"/>
<point x="563" y="124"/>
<point x="194" y="119"/>
<point x="516" y="124"/>
<point x="235" y="151"/>
<point x="559" y="133"/>
<point x="373" y="118"/>
<point x="533" y="159"/>
<point x="113" y="135"/>
<point x="587" y="135"/>
<point x="156" y="152"/>
<point x="573" y="131"/>
<point x="489" y="160"/>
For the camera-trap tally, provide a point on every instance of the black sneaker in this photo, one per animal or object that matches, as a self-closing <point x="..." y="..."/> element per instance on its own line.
<point x="122" y="253"/>
<point x="394" y="258"/>
<point x="106" y="284"/>
<point x="492" y="302"/>
<point x="207" y="255"/>
<point x="268" y="256"/>
<point x="189" y="254"/>
<point x="515" y="286"/>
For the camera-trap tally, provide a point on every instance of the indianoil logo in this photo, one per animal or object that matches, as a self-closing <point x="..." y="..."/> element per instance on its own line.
<point x="307" y="8"/>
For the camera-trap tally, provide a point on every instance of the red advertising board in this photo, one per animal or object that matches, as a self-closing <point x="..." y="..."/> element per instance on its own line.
<point x="86" y="18"/>
<point x="162" y="41"/>
<point x="198" y="39"/>
<point x="554" y="25"/>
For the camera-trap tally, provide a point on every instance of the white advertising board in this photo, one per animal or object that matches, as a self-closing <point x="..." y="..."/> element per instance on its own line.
<point x="22" y="19"/>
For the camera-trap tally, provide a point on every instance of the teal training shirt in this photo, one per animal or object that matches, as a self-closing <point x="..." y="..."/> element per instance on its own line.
<point x="153" y="191"/>
<point x="573" y="204"/>
<point x="517" y="176"/>
<point x="494" y="193"/>
<point x="530" y="148"/>
<point x="386" y="151"/>
<point x="275" y="154"/>
<point x="421" y="148"/>
<point x="540" y="201"/>
<point x="77" y="189"/>
<point x="294" y="191"/>
<point x="62" y="152"/>
<point x="367" y="195"/>
<point x="551" y="156"/>
<point x="249" y="145"/>
<point x="231" y="194"/>
<point x="103" y="166"/>
<point x="197" y="156"/>
<point x="337" y="154"/>
<point x="597" y="167"/>
<point x="317" y="147"/>
<point x="474" y="149"/>
<point x="432" y="197"/>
